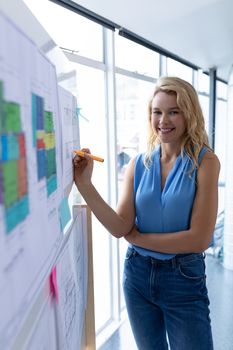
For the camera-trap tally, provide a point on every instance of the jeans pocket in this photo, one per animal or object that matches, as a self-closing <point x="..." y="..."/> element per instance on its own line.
<point x="129" y="253"/>
<point x="194" y="269"/>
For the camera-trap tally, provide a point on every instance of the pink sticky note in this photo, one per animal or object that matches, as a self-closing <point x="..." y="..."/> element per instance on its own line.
<point x="53" y="283"/>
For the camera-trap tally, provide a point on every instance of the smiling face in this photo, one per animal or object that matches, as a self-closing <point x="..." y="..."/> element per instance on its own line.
<point x="167" y="120"/>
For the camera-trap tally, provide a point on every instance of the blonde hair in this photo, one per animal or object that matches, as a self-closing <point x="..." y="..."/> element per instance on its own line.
<point x="195" y="136"/>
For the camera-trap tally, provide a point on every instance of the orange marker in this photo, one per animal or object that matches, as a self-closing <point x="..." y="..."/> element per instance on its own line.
<point x="82" y="154"/>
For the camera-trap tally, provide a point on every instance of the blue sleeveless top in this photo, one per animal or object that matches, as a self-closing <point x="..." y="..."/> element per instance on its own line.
<point x="167" y="210"/>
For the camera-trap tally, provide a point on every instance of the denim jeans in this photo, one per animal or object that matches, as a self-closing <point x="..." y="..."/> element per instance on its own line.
<point x="167" y="299"/>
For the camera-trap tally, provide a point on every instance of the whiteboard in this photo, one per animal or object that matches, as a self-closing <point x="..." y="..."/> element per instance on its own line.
<point x="65" y="321"/>
<point x="31" y="174"/>
<point x="39" y="329"/>
<point x="70" y="133"/>
<point x="71" y="274"/>
<point x="38" y="131"/>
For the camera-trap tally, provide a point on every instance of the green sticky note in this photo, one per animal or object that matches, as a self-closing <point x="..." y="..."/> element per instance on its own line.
<point x="12" y="114"/>
<point x="48" y="121"/>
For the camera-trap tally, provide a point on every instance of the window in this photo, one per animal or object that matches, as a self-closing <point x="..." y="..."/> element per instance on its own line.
<point x="180" y="70"/>
<point x="91" y="103"/>
<point x="136" y="70"/>
<point x="203" y="83"/>
<point x="221" y="138"/>
<point x="221" y="90"/>
<point x="136" y="58"/>
<point x="132" y="102"/>
<point x="204" y="102"/>
<point x="68" y="29"/>
<point x="221" y="135"/>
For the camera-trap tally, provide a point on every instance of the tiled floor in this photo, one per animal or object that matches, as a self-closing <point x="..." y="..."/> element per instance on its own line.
<point x="220" y="286"/>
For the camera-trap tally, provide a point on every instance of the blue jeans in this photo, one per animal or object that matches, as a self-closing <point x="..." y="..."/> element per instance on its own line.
<point x="167" y="299"/>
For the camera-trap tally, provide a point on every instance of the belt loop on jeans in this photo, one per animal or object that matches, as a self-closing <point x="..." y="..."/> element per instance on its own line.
<point x="174" y="262"/>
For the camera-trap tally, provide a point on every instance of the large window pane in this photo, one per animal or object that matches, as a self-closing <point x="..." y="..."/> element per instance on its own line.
<point x="221" y="90"/>
<point x="132" y="102"/>
<point x="91" y="104"/>
<point x="178" y="69"/>
<point x="136" y="58"/>
<point x="221" y="136"/>
<point x="203" y="82"/>
<point x="204" y="102"/>
<point x="221" y="198"/>
<point x="68" y="29"/>
<point x="220" y="147"/>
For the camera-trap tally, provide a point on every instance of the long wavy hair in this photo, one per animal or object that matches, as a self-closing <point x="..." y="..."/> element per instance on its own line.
<point x="195" y="136"/>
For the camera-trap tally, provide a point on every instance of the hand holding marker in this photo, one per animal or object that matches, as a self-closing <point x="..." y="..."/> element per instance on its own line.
<point x="82" y="154"/>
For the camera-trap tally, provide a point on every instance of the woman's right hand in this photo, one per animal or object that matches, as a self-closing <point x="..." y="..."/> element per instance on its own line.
<point x="83" y="168"/>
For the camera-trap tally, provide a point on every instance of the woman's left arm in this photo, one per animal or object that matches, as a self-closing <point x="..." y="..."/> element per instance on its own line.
<point x="197" y="238"/>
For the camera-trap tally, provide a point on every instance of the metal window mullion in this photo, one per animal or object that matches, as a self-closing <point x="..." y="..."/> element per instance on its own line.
<point x="110" y="88"/>
<point x="162" y="65"/>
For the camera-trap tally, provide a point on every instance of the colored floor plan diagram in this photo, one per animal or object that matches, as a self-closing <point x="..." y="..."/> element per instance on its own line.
<point x="44" y="142"/>
<point x="13" y="165"/>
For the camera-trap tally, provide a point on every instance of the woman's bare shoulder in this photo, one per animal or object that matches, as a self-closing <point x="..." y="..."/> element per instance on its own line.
<point x="210" y="164"/>
<point x="210" y="159"/>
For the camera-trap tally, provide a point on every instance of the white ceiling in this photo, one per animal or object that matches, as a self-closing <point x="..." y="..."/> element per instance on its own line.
<point x="199" y="31"/>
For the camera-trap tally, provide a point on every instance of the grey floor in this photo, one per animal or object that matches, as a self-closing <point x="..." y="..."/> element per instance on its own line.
<point x="220" y="286"/>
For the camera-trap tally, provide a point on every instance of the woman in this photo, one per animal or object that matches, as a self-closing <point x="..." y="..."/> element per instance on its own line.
<point x="167" y="213"/>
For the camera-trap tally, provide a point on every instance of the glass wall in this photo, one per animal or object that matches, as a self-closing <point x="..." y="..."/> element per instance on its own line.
<point x="132" y="96"/>
<point x="91" y="104"/>
<point x="136" y="58"/>
<point x="68" y="35"/>
<point x="137" y="68"/>
<point x="221" y="138"/>
<point x="178" y="69"/>
<point x="85" y="55"/>
<point x="203" y="86"/>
